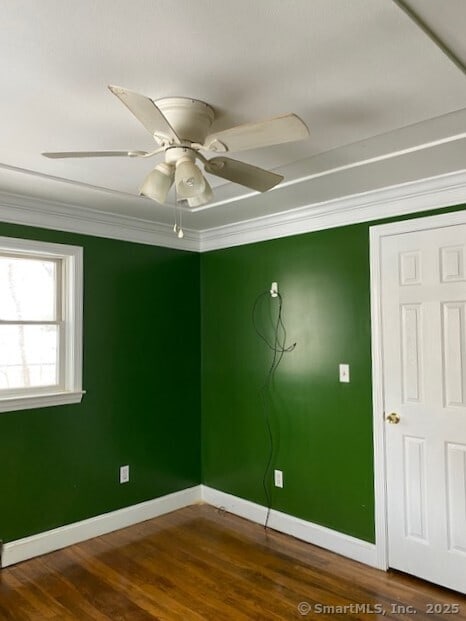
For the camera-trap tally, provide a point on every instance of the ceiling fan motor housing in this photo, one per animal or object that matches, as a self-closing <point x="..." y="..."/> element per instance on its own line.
<point x="190" y="118"/>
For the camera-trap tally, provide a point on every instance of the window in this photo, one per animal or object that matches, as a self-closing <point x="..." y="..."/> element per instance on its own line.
<point x="40" y="324"/>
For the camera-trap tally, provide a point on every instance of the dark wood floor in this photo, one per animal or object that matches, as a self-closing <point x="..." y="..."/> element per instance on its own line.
<point x="199" y="563"/>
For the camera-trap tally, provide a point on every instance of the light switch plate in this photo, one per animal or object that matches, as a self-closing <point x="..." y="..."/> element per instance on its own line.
<point x="278" y="478"/>
<point x="344" y="373"/>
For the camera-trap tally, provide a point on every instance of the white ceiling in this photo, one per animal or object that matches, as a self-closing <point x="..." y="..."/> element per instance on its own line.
<point x="382" y="101"/>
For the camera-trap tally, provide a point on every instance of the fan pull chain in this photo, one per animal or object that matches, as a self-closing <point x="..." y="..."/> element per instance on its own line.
<point x="180" y="228"/>
<point x="177" y="227"/>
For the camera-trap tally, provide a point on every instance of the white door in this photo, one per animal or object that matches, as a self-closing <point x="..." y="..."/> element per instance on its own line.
<point x="423" y="303"/>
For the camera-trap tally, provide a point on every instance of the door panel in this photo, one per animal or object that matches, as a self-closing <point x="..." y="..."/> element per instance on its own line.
<point x="456" y="474"/>
<point x="415" y="488"/>
<point x="454" y="353"/>
<point x="411" y="352"/>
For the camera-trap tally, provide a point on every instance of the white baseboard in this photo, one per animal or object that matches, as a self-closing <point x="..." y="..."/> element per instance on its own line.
<point x="29" y="547"/>
<point x="348" y="546"/>
<point x="42" y="543"/>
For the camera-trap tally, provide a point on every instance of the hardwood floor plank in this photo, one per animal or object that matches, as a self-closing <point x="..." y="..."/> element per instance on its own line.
<point x="172" y="568"/>
<point x="200" y="564"/>
<point x="31" y="600"/>
<point x="273" y="576"/>
<point x="148" y="589"/>
<point x="232" y="571"/>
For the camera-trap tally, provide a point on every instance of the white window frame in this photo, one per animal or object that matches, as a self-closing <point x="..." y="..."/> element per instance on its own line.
<point x="70" y="292"/>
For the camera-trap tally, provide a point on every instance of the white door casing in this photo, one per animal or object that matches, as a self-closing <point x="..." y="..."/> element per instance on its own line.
<point x="419" y="362"/>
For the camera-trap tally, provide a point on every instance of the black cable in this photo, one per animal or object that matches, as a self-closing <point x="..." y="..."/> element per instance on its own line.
<point x="279" y="350"/>
<point x="279" y="322"/>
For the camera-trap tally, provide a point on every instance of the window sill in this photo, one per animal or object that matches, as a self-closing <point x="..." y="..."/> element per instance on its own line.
<point x="11" y="404"/>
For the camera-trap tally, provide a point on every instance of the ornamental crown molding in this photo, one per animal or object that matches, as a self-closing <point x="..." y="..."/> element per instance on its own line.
<point x="61" y="216"/>
<point x="413" y="197"/>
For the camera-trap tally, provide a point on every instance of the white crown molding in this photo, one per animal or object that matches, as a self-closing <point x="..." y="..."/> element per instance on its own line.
<point x="348" y="546"/>
<point x="42" y="543"/>
<point x="51" y="214"/>
<point x="413" y="197"/>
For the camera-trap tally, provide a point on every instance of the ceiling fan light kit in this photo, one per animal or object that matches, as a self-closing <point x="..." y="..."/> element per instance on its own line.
<point x="180" y="127"/>
<point x="158" y="183"/>
<point x="203" y="198"/>
<point x="189" y="180"/>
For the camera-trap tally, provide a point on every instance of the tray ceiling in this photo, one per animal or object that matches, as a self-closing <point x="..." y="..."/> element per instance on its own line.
<point x="371" y="86"/>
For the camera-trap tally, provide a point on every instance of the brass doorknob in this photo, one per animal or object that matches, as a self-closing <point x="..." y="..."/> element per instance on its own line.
<point x="393" y="418"/>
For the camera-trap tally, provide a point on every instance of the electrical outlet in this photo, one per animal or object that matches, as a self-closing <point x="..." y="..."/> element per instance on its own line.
<point x="124" y="474"/>
<point x="278" y="476"/>
<point x="344" y="373"/>
<point x="274" y="289"/>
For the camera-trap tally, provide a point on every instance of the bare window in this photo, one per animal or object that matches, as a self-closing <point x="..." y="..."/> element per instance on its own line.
<point x="40" y="323"/>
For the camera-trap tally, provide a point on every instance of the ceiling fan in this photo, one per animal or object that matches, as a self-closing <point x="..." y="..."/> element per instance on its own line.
<point x="180" y="127"/>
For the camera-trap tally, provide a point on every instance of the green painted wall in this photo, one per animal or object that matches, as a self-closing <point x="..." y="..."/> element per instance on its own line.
<point x="322" y="428"/>
<point x="142" y="407"/>
<point x="142" y="354"/>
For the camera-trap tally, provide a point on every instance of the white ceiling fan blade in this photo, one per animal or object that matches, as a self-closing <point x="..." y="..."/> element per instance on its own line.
<point x="277" y="130"/>
<point x="65" y="154"/>
<point x="146" y="112"/>
<point x="244" y="174"/>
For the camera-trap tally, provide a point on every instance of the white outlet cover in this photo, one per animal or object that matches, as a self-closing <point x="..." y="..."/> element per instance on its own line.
<point x="124" y="474"/>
